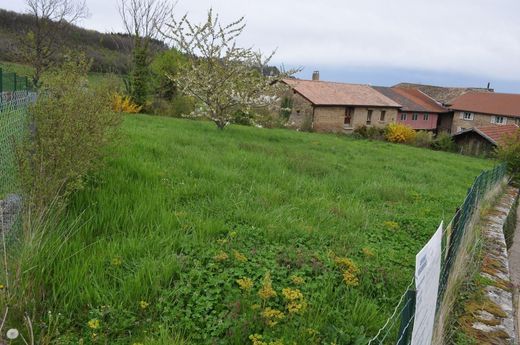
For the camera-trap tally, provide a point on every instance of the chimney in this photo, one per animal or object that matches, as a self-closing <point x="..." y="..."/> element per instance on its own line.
<point x="489" y="85"/>
<point x="316" y="75"/>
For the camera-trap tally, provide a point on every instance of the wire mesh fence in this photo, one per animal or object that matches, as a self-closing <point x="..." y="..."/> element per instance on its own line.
<point x="13" y="126"/>
<point x="398" y="328"/>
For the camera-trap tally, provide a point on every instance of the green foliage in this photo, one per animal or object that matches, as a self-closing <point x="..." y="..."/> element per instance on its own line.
<point x="423" y="139"/>
<point x="140" y="75"/>
<point x="286" y="107"/>
<point x="176" y="193"/>
<point x="370" y="132"/>
<point x="443" y="142"/>
<point x="509" y="152"/>
<point x="72" y="123"/>
<point x="164" y="68"/>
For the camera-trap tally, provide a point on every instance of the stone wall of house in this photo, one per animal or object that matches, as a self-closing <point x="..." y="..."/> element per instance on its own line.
<point x="361" y="113"/>
<point x="302" y="111"/>
<point x="329" y="119"/>
<point x="459" y="123"/>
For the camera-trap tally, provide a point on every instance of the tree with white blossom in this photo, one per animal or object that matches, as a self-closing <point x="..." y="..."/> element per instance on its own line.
<point x="222" y="76"/>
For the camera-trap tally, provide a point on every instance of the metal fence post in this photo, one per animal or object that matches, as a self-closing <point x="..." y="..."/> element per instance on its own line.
<point x="405" y="329"/>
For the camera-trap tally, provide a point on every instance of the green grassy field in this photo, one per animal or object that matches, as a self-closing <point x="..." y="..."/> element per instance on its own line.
<point x="182" y="211"/>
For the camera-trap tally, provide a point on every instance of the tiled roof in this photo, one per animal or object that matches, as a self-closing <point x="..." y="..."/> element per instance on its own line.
<point x="411" y="99"/>
<point x="443" y="95"/>
<point x="496" y="134"/>
<point x="330" y="93"/>
<point x="489" y="103"/>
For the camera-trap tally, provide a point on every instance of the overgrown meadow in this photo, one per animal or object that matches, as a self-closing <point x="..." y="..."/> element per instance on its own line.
<point x="192" y="235"/>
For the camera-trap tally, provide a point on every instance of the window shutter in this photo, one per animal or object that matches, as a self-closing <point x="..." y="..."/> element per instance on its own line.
<point x="462" y="115"/>
<point x="505" y="120"/>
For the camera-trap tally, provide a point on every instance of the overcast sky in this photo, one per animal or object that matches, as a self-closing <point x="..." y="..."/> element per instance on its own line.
<point x="379" y="42"/>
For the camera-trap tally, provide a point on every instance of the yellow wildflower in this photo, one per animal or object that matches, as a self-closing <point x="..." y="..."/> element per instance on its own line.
<point x="93" y="324"/>
<point x="368" y="252"/>
<point x="245" y="283"/>
<point x="272" y="316"/>
<point x="296" y="307"/>
<point x="267" y="290"/>
<point x="221" y="256"/>
<point x="256" y="339"/>
<point x="350" y="278"/>
<point x="391" y="225"/>
<point x="312" y="332"/>
<point x="117" y="261"/>
<point x="297" y="280"/>
<point x="239" y="256"/>
<point x="2" y="286"/>
<point x="292" y="294"/>
<point x="93" y="336"/>
<point x="347" y="264"/>
<point x="143" y="304"/>
<point x="222" y="241"/>
<point x="233" y="234"/>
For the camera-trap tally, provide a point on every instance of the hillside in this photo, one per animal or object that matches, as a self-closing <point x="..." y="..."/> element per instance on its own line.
<point x="183" y="227"/>
<point x="110" y="52"/>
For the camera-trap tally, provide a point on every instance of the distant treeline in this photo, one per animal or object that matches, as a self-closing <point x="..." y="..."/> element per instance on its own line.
<point x="110" y="52"/>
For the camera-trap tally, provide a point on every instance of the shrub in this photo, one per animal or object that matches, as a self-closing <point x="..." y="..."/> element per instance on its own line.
<point x="423" y="139"/>
<point x="72" y="122"/>
<point x="509" y="152"/>
<point x="443" y="142"/>
<point x="376" y="133"/>
<point x="124" y="104"/>
<point x="400" y="133"/>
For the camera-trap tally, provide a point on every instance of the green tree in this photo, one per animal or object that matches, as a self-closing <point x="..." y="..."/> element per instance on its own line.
<point x="509" y="152"/>
<point x="143" y="20"/>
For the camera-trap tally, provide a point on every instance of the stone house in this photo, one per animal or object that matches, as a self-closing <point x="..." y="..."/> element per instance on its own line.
<point x="443" y="96"/>
<point x="476" y="109"/>
<point x="418" y="110"/>
<point x="482" y="141"/>
<point x="338" y="107"/>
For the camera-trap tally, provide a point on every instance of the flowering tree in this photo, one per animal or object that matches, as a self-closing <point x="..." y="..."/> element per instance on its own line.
<point x="222" y="76"/>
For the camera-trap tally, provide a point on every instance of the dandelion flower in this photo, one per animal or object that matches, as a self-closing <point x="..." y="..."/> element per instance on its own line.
<point x="2" y="286"/>
<point x="93" y="324"/>
<point x="117" y="261"/>
<point x="143" y="304"/>
<point x="12" y="334"/>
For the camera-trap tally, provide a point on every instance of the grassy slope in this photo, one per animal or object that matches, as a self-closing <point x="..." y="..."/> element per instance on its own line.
<point x="175" y="187"/>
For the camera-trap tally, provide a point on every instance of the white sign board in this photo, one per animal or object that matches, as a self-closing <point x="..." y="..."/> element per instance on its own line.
<point x="427" y="273"/>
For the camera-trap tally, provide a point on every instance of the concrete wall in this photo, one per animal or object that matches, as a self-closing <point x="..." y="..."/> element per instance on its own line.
<point x="478" y="120"/>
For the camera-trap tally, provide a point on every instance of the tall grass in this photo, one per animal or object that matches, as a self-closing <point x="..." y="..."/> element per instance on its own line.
<point x="175" y="193"/>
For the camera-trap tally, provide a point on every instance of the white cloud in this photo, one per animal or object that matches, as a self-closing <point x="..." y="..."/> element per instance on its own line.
<point x="475" y="37"/>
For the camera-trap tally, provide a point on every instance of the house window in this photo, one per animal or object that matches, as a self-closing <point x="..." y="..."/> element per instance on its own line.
<point x="348" y="117"/>
<point x="403" y="116"/>
<point x="467" y="116"/>
<point x="426" y="117"/>
<point x="415" y="116"/>
<point x="369" y="117"/>
<point x="499" y="120"/>
<point x="382" y="117"/>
